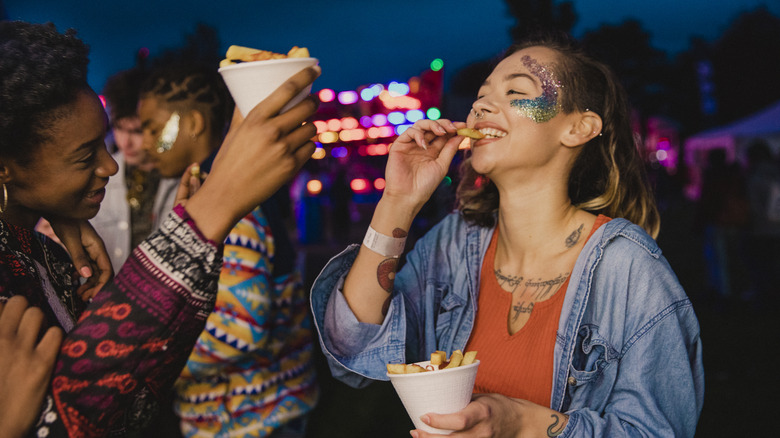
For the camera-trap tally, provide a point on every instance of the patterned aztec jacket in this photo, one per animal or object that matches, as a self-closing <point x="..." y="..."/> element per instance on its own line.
<point x="627" y="357"/>
<point x="251" y="371"/>
<point x="126" y="348"/>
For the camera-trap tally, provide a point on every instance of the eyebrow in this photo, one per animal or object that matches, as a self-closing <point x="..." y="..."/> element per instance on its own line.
<point x="511" y="76"/>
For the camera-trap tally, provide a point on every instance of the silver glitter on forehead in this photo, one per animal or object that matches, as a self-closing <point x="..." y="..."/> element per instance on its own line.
<point x="169" y="134"/>
<point x="546" y="106"/>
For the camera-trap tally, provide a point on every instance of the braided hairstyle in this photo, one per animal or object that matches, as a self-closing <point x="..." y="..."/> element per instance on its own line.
<point x="41" y="72"/>
<point x="608" y="176"/>
<point x="189" y="84"/>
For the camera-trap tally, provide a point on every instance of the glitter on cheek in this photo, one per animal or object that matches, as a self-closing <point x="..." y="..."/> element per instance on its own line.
<point x="546" y="106"/>
<point x="169" y="134"/>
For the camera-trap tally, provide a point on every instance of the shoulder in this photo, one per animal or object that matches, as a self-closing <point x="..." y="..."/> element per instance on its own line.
<point x="630" y="272"/>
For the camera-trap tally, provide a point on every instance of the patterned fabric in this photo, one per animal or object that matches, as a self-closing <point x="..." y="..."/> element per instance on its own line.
<point x="131" y="342"/>
<point x="251" y="370"/>
<point x="28" y="260"/>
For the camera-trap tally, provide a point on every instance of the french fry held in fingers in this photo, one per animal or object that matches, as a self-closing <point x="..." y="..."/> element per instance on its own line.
<point x="470" y="133"/>
<point x="438" y="362"/>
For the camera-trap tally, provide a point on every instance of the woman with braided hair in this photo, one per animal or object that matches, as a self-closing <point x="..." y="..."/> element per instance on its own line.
<point x="251" y="369"/>
<point x="124" y="350"/>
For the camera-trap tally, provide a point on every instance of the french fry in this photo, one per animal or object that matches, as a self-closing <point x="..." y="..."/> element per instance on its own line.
<point x="414" y="368"/>
<point x="469" y="357"/>
<point x="396" y="368"/>
<point x="438" y="357"/>
<point x="455" y="359"/>
<point x="298" y="52"/>
<point x="471" y="133"/>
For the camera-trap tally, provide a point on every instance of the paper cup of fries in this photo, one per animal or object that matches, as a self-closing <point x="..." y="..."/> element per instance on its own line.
<point x="251" y="82"/>
<point x="444" y="391"/>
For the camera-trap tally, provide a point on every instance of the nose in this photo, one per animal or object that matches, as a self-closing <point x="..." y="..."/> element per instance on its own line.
<point x="107" y="166"/>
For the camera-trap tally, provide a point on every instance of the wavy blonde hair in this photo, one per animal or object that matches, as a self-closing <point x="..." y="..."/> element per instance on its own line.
<point x="608" y="176"/>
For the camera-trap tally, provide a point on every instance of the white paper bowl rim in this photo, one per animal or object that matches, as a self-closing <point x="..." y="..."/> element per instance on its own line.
<point x="428" y="373"/>
<point x="249" y="64"/>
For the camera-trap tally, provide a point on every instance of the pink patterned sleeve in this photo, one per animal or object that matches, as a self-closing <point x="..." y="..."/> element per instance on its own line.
<point x="131" y="343"/>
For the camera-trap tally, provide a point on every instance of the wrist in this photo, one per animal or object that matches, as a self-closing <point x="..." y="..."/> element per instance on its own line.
<point x="384" y="245"/>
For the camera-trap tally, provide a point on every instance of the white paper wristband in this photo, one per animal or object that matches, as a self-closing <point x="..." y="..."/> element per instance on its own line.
<point x="384" y="245"/>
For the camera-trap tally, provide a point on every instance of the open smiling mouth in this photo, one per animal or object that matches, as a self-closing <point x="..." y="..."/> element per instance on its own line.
<point x="492" y="133"/>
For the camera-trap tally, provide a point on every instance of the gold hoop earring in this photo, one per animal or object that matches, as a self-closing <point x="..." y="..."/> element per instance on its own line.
<point x="5" y="200"/>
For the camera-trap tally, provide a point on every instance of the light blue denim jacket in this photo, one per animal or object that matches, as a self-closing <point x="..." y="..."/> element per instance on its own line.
<point x="628" y="350"/>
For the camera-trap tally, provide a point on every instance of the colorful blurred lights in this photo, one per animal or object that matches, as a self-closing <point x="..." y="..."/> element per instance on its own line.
<point x="319" y="153"/>
<point x="414" y="115"/>
<point x="348" y="97"/>
<point x="379" y="120"/>
<point x="398" y="88"/>
<point x="326" y="95"/>
<point x="359" y="185"/>
<point x="433" y="113"/>
<point x="437" y="64"/>
<point x="314" y="187"/>
<point x="379" y="183"/>
<point x="339" y="152"/>
<point x="396" y="118"/>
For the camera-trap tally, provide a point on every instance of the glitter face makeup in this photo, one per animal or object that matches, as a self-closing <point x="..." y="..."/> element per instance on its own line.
<point x="544" y="107"/>
<point x="169" y="134"/>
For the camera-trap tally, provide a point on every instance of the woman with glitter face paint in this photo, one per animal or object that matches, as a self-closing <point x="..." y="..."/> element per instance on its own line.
<point x="548" y="269"/>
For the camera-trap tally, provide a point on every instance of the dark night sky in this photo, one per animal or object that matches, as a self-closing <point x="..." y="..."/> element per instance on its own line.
<point x="358" y="42"/>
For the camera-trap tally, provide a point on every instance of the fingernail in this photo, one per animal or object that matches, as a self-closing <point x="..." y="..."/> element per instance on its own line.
<point x="424" y="145"/>
<point x="425" y="419"/>
<point x="413" y="433"/>
<point x="85" y="271"/>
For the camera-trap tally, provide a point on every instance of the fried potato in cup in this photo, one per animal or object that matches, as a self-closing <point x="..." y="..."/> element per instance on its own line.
<point x="438" y="362"/>
<point x="237" y="54"/>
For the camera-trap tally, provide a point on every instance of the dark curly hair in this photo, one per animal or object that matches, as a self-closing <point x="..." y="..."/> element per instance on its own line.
<point x="186" y="78"/>
<point x="41" y="71"/>
<point x="121" y="92"/>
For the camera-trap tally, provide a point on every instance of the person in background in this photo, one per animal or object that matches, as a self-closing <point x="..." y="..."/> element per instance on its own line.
<point x="548" y="269"/>
<point x="763" y="241"/>
<point x="251" y="371"/>
<point x="137" y="199"/>
<point x="124" y="349"/>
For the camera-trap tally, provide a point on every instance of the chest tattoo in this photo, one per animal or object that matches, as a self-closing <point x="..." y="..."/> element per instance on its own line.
<point x="531" y="292"/>
<point x="574" y="237"/>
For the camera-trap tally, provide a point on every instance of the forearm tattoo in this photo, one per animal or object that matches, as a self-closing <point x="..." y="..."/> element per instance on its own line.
<point x="574" y="237"/>
<point x="385" y="273"/>
<point x="551" y="431"/>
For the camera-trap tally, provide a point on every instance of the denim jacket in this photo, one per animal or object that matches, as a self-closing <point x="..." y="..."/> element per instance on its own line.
<point x="627" y="355"/>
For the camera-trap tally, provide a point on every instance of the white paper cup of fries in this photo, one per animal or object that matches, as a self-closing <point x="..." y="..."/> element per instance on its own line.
<point x="443" y="391"/>
<point x="251" y="82"/>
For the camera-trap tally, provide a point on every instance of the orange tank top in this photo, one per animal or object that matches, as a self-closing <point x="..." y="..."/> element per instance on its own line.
<point x="518" y="365"/>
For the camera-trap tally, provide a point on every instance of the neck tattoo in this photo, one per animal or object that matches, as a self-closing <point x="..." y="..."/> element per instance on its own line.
<point x="574" y="237"/>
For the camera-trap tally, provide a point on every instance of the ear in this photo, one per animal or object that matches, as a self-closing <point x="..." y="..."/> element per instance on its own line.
<point x="196" y="123"/>
<point x="5" y="171"/>
<point x="584" y="127"/>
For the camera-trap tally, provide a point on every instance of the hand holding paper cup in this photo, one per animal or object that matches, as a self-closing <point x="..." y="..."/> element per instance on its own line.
<point x="427" y="388"/>
<point x="251" y="75"/>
